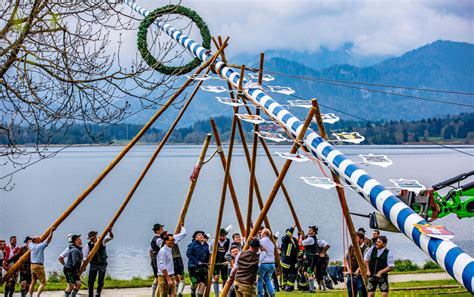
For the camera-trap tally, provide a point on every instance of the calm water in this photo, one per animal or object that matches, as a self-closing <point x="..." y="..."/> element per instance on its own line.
<point x="43" y="191"/>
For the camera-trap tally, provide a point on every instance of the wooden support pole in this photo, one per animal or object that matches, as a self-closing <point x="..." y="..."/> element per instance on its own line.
<point x="247" y="154"/>
<point x="270" y="158"/>
<point x="283" y="188"/>
<point x="254" y="154"/>
<point x="244" y="141"/>
<point x="144" y="172"/>
<point x="111" y="165"/>
<point x="233" y="194"/>
<point x="221" y="207"/>
<point x="253" y="163"/>
<point x="267" y="151"/>
<point x="276" y="186"/>
<point x="192" y="185"/>
<point x="342" y="199"/>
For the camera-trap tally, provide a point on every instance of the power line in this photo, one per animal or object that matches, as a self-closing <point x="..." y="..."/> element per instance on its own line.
<point x="390" y="128"/>
<point x="372" y="84"/>
<point x="378" y="91"/>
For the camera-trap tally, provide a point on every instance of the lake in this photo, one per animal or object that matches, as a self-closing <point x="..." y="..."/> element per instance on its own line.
<point x="45" y="190"/>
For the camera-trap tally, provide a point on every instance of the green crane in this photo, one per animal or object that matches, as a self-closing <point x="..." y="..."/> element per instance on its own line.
<point x="432" y="205"/>
<point x="458" y="200"/>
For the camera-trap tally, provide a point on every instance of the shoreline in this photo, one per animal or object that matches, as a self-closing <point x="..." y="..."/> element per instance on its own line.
<point x="401" y="145"/>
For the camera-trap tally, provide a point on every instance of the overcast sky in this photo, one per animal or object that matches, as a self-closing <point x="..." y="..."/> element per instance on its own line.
<point x="376" y="27"/>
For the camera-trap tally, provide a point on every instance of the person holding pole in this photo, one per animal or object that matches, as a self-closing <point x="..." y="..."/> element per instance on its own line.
<point x="315" y="253"/>
<point x="246" y="269"/>
<point x="289" y="258"/>
<point x="98" y="264"/>
<point x="73" y="266"/>
<point x="37" y="247"/>
<point x="198" y="258"/>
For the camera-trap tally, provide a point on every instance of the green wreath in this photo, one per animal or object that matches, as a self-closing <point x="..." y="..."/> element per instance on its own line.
<point x="143" y="44"/>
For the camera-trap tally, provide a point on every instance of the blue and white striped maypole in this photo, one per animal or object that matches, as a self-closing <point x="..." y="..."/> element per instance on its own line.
<point x="444" y="252"/>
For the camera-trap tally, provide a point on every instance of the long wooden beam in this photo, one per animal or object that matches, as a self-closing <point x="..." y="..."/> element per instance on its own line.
<point x="221" y="208"/>
<point x="275" y="188"/>
<point x="192" y="183"/>
<point x="109" y="168"/>
<point x="145" y="170"/>
<point x="342" y="200"/>
<point x="233" y="194"/>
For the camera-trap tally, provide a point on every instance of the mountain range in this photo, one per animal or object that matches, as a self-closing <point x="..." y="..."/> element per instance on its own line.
<point x="441" y="65"/>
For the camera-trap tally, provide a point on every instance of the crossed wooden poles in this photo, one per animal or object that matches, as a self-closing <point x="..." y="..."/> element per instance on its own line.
<point x="247" y="229"/>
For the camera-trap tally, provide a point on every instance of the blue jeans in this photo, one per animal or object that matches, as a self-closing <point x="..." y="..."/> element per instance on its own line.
<point x="357" y="285"/>
<point x="265" y="272"/>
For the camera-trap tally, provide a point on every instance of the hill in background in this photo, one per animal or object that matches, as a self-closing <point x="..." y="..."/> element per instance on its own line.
<point x="444" y="65"/>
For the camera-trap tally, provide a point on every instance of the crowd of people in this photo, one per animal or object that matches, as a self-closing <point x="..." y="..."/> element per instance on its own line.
<point x="32" y="270"/>
<point x="304" y="263"/>
<point x="254" y="271"/>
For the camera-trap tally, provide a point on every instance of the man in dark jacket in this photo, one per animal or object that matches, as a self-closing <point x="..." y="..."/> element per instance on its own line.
<point x="289" y="258"/>
<point x="98" y="264"/>
<point x="73" y="266"/>
<point x="198" y="259"/>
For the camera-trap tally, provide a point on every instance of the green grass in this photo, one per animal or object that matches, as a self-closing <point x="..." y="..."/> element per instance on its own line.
<point x="59" y="285"/>
<point x="434" y="270"/>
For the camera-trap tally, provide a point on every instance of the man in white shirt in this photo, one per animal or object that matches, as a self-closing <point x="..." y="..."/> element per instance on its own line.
<point x="315" y="252"/>
<point x="266" y="266"/>
<point x="379" y="261"/>
<point x="164" y="260"/>
<point x="37" y="247"/>
<point x="155" y="245"/>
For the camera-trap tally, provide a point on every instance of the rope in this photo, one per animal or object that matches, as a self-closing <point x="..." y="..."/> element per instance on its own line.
<point x="212" y="156"/>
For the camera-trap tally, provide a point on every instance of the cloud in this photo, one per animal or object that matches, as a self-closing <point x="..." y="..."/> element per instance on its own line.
<point x="374" y="27"/>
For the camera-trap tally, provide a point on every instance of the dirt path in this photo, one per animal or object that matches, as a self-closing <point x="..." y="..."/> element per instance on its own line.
<point x="147" y="291"/>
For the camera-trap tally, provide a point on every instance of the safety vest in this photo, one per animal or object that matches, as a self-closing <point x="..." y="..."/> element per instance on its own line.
<point x="289" y="251"/>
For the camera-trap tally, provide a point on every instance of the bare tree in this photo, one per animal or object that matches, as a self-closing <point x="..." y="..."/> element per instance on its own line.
<point x="62" y="62"/>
